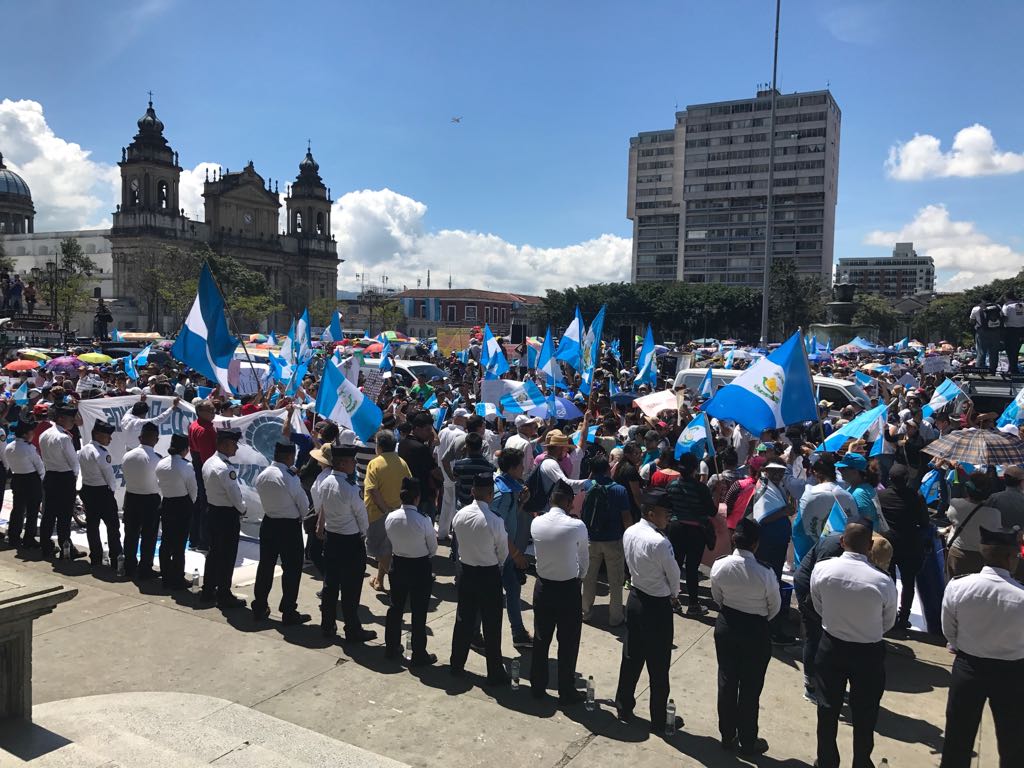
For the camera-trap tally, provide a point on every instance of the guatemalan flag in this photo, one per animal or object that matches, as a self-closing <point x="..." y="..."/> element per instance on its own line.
<point x="871" y="422"/>
<point x="332" y="333"/>
<point x="774" y="392"/>
<point x="694" y="439"/>
<point x="706" y="385"/>
<point x="591" y="351"/>
<point x="522" y="399"/>
<point x="304" y="344"/>
<point x="385" y="365"/>
<point x="729" y="358"/>
<point x="288" y="345"/>
<point x="205" y="343"/>
<point x="115" y="335"/>
<point x="946" y="393"/>
<point x="647" y="362"/>
<point x="20" y="395"/>
<point x="142" y="359"/>
<point x="864" y="380"/>
<point x="1011" y="414"/>
<point x="570" y="348"/>
<point x="547" y="363"/>
<point x="341" y="401"/>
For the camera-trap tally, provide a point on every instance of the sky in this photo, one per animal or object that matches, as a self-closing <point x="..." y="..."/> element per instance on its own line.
<point x="528" y="191"/>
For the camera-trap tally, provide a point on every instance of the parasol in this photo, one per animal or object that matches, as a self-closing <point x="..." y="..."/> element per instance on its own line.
<point x="96" y="358"/>
<point x="564" y="410"/>
<point x="981" y="447"/>
<point x="66" y="364"/>
<point x="33" y="354"/>
<point x="22" y="365"/>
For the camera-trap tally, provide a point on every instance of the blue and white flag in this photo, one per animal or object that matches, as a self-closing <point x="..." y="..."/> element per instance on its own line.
<point x="871" y="422"/>
<point x="439" y="418"/>
<point x="463" y="356"/>
<point x="430" y="402"/>
<point x="695" y="438"/>
<point x="333" y="332"/>
<point x="729" y="358"/>
<point x="205" y="343"/>
<point x="592" y="341"/>
<point x="547" y="363"/>
<point x="864" y="380"/>
<point x="522" y="399"/>
<point x="304" y="344"/>
<point x="115" y="335"/>
<point x="280" y="369"/>
<point x="613" y="387"/>
<point x="570" y="348"/>
<point x="812" y="345"/>
<point x="142" y="358"/>
<point x="341" y="401"/>
<point x="491" y="355"/>
<point x="647" y="363"/>
<point x="385" y="365"/>
<point x="946" y="393"/>
<point x="902" y="343"/>
<point x="486" y="410"/>
<point x="591" y="434"/>
<point x="272" y="339"/>
<point x="774" y="392"/>
<point x="836" y="522"/>
<point x="706" y="385"/>
<point x="930" y="484"/>
<point x="1012" y="413"/>
<point x="20" y="395"/>
<point x="828" y="347"/>
<point x="614" y="348"/>
<point x="288" y="345"/>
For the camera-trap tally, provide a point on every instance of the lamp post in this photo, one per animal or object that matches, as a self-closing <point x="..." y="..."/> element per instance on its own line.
<point x="51" y="275"/>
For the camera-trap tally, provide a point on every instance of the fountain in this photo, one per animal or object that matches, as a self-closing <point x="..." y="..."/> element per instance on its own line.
<point x="840" y="311"/>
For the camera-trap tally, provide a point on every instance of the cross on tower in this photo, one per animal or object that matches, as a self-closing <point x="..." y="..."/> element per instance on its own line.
<point x="309" y="146"/>
<point x="150" y="98"/>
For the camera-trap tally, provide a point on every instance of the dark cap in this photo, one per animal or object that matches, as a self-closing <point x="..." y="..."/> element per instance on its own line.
<point x="288" y="448"/>
<point x="229" y="434"/>
<point x="179" y="443"/>
<point x="423" y="419"/>
<point x="655" y="497"/>
<point x="103" y="428"/>
<point x="748" y="527"/>
<point x="343" y="452"/>
<point x="999" y="537"/>
<point x="1014" y="473"/>
<point x="483" y="480"/>
<point x="149" y="426"/>
<point x="898" y="472"/>
<point x="67" y="410"/>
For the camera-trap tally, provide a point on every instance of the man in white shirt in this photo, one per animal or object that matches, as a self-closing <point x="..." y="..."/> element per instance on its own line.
<point x="654" y="575"/>
<point x="413" y="543"/>
<point x="557" y="446"/>
<point x="132" y="422"/>
<point x="97" y="494"/>
<point x="179" y="490"/>
<point x="483" y="548"/>
<point x="342" y="523"/>
<point x="857" y="604"/>
<point x="141" y="504"/>
<point x="562" y="550"/>
<point x="748" y="594"/>
<point x="284" y="506"/>
<point x="26" y="472"/>
<point x="446" y="438"/>
<point x="1013" y="329"/>
<point x="61" y="461"/>
<point x="225" y="510"/>
<point x="526" y="433"/>
<point x="983" y="621"/>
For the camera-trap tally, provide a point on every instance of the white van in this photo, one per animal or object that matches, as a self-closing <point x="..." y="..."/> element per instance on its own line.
<point x="839" y="392"/>
<point x="406" y="371"/>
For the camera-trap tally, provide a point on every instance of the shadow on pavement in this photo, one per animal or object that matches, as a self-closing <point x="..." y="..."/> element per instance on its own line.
<point x="28" y="741"/>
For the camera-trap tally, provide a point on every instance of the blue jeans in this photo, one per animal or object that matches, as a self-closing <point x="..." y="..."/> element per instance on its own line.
<point x="513" y="589"/>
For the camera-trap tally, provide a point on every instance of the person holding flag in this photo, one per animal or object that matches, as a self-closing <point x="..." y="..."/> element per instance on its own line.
<point x="692" y="510"/>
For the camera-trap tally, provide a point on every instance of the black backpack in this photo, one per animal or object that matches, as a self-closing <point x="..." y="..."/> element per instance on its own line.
<point x="538" y="500"/>
<point x="993" y="316"/>
<point x="595" y="509"/>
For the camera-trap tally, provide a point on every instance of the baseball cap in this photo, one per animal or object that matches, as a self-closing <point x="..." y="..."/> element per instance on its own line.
<point x="460" y="413"/>
<point x="522" y="420"/>
<point x="853" y="461"/>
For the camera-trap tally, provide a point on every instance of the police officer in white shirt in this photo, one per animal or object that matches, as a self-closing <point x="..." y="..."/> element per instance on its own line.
<point x="61" y="461"/>
<point x="226" y="508"/>
<point x="414" y="543"/>
<point x="857" y="604"/>
<point x="342" y="523"/>
<point x="141" y="503"/>
<point x="131" y="422"/>
<point x="654" y="576"/>
<point x="483" y="548"/>
<point x="446" y="438"/>
<point x="284" y="506"/>
<point x="26" y="472"/>
<point x="983" y="621"/>
<point x="748" y="595"/>
<point x="179" y="489"/>
<point x="97" y="494"/>
<point x="562" y="550"/>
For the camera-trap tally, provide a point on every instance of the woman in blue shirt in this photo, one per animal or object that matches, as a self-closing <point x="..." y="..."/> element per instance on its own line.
<point x="861" y="482"/>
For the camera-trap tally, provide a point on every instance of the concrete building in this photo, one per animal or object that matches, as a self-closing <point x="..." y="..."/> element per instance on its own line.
<point x="894" y="277"/>
<point x="697" y="192"/>
<point x="427" y="309"/>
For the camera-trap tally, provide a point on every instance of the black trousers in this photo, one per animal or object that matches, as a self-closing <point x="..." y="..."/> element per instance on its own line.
<point x="279" y="537"/>
<point x="28" y="495"/>
<point x="58" y="506"/>
<point x="1013" y="337"/>
<point x="344" y="564"/>
<point x="199" y="532"/>
<point x="648" y="642"/>
<point x="975" y="680"/>
<point x="479" y="594"/>
<point x="688" y="546"/>
<point x="411" y="580"/>
<point x="863" y="666"/>
<point x="141" y="523"/>
<point x="101" y="507"/>
<point x="743" y="646"/>
<point x="908" y="556"/>
<point x="225" y="525"/>
<point x="175" y="516"/>
<point x="812" y="636"/>
<point x="557" y="608"/>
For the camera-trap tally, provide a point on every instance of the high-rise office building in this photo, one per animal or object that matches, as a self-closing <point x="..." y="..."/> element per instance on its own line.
<point x="902" y="274"/>
<point x="697" y="192"/>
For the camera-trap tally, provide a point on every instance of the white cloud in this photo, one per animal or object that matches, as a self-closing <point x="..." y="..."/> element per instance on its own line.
<point x="974" y="153"/>
<point x="966" y="256"/>
<point x="857" y="23"/>
<point x="382" y="232"/>
<point x="69" y="190"/>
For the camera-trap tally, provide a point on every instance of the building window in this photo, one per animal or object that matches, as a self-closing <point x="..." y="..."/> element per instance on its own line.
<point x="470" y="312"/>
<point x="487" y="314"/>
<point x="298" y="222"/>
<point x="504" y="314"/>
<point x="161" y="195"/>
<point x="320" y="223"/>
<point x="451" y="313"/>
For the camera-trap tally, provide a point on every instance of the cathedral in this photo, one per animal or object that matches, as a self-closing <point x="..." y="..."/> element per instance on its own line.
<point x="241" y="218"/>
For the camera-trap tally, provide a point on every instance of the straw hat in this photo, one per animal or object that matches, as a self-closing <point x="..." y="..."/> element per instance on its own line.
<point x="556" y="437"/>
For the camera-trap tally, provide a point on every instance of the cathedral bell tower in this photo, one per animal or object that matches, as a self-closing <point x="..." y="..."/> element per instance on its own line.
<point x="309" y="203"/>
<point x="149" y="170"/>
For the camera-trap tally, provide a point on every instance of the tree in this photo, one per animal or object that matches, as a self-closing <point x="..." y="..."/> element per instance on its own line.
<point x="322" y="310"/>
<point x="874" y="310"/>
<point x="794" y="300"/>
<point x="6" y="262"/>
<point x="71" y="290"/>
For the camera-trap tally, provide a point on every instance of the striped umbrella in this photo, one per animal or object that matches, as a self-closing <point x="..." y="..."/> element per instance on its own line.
<point x="980" y="447"/>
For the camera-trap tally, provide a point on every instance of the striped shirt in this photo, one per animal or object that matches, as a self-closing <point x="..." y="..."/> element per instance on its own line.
<point x="465" y="470"/>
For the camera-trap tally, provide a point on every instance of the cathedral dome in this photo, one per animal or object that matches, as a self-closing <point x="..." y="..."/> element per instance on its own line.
<point x="11" y="183"/>
<point x="308" y="163"/>
<point x="150" y="122"/>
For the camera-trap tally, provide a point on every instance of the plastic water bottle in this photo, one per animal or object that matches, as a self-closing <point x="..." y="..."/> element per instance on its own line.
<point x="195" y="579"/>
<point x="514" y="674"/>
<point x="408" y="643"/>
<point x="120" y="564"/>
<point x="884" y="763"/>
<point x="65" y="550"/>
<point x="590" y="694"/>
<point x="106" y="559"/>
<point x="670" y="718"/>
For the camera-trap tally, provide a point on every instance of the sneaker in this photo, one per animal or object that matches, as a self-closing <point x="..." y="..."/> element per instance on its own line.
<point x="810" y="695"/>
<point x="696" y="610"/>
<point x="295" y="618"/>
<point x="360" y="636"/>
<point x="423" y="661"/>
<point x="756" y="747"/>
<point x="519" y="641"/>
<point x="477" y="643"/>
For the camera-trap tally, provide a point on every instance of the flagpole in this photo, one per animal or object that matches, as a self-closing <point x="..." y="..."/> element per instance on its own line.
<point x="231" y="322"/>
<point x="810" y="376"/>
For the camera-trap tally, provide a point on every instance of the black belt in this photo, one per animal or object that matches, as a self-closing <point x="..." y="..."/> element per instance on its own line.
<point x="644" y="596"/>
<point x="743" y="616"/>
<point x="557" y="582"/>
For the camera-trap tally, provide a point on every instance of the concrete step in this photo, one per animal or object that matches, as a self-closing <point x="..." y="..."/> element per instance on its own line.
<point x="172" y="730"/>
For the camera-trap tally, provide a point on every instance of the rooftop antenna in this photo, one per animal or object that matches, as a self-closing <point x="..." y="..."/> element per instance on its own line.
<point x="428" y="278"/>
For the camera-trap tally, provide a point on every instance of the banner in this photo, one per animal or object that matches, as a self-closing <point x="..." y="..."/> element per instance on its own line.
<point x="937" y="364"/>
<point x="452" y="339"/>
<point x="260" y="432"/>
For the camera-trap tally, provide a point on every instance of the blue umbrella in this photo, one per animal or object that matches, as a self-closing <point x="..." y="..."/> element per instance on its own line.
<point x="624" y="398"/>
<point x="564" y="410"/>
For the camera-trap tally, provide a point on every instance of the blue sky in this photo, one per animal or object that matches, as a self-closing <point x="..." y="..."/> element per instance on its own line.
<point x="533" y="179"/>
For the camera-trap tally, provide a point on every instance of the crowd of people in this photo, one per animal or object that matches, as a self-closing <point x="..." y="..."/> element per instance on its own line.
<point x="564" y="501"/>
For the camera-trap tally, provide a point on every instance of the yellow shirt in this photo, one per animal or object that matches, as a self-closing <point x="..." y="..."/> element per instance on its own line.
<point x="384" y="474"/>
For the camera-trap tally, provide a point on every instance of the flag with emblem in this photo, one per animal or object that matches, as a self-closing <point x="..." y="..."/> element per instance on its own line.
<point x="341" y="401"/>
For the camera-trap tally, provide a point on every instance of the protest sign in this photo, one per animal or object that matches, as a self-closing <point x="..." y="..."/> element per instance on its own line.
<point x="936" y="364"/>
<point x="373" y="383"/>
<point x="452" y="339"/>
<point x="656" y="402"/>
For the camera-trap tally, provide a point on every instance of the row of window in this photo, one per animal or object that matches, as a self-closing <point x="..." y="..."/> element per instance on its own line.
<point x="652" y="191"/>
<point x="657" y="138"/>
<point x="651" y="165"/>
<point x="738" y="232"/>
<point x="754" y="217"/>
<point x="491" y="314"/>
<point x="729" y="186"/>
<point x="756" y="246"/>
<point x="761" y="105"/>
<point x="672" y="219"/>
<point x="657" y="245"/>
<point x="745" y="154"/>
<point x="656" y="258"/>
<point x="799" y="165"/>
<point x="658" y="151"/>
<point x="754" y="122"/>
<point x="808" y="198"/>
<point x="656" y="204"/>
<point x="656" y="232"/>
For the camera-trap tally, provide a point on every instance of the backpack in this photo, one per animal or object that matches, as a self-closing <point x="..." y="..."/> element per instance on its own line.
<point x="538" y="500"/>
<point x="992" y="316"/>
<point x="595" y="508"/>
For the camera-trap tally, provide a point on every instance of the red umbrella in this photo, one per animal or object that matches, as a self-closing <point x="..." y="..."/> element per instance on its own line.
<point x="374" y="349"/>
<point x="22" y="365"/>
